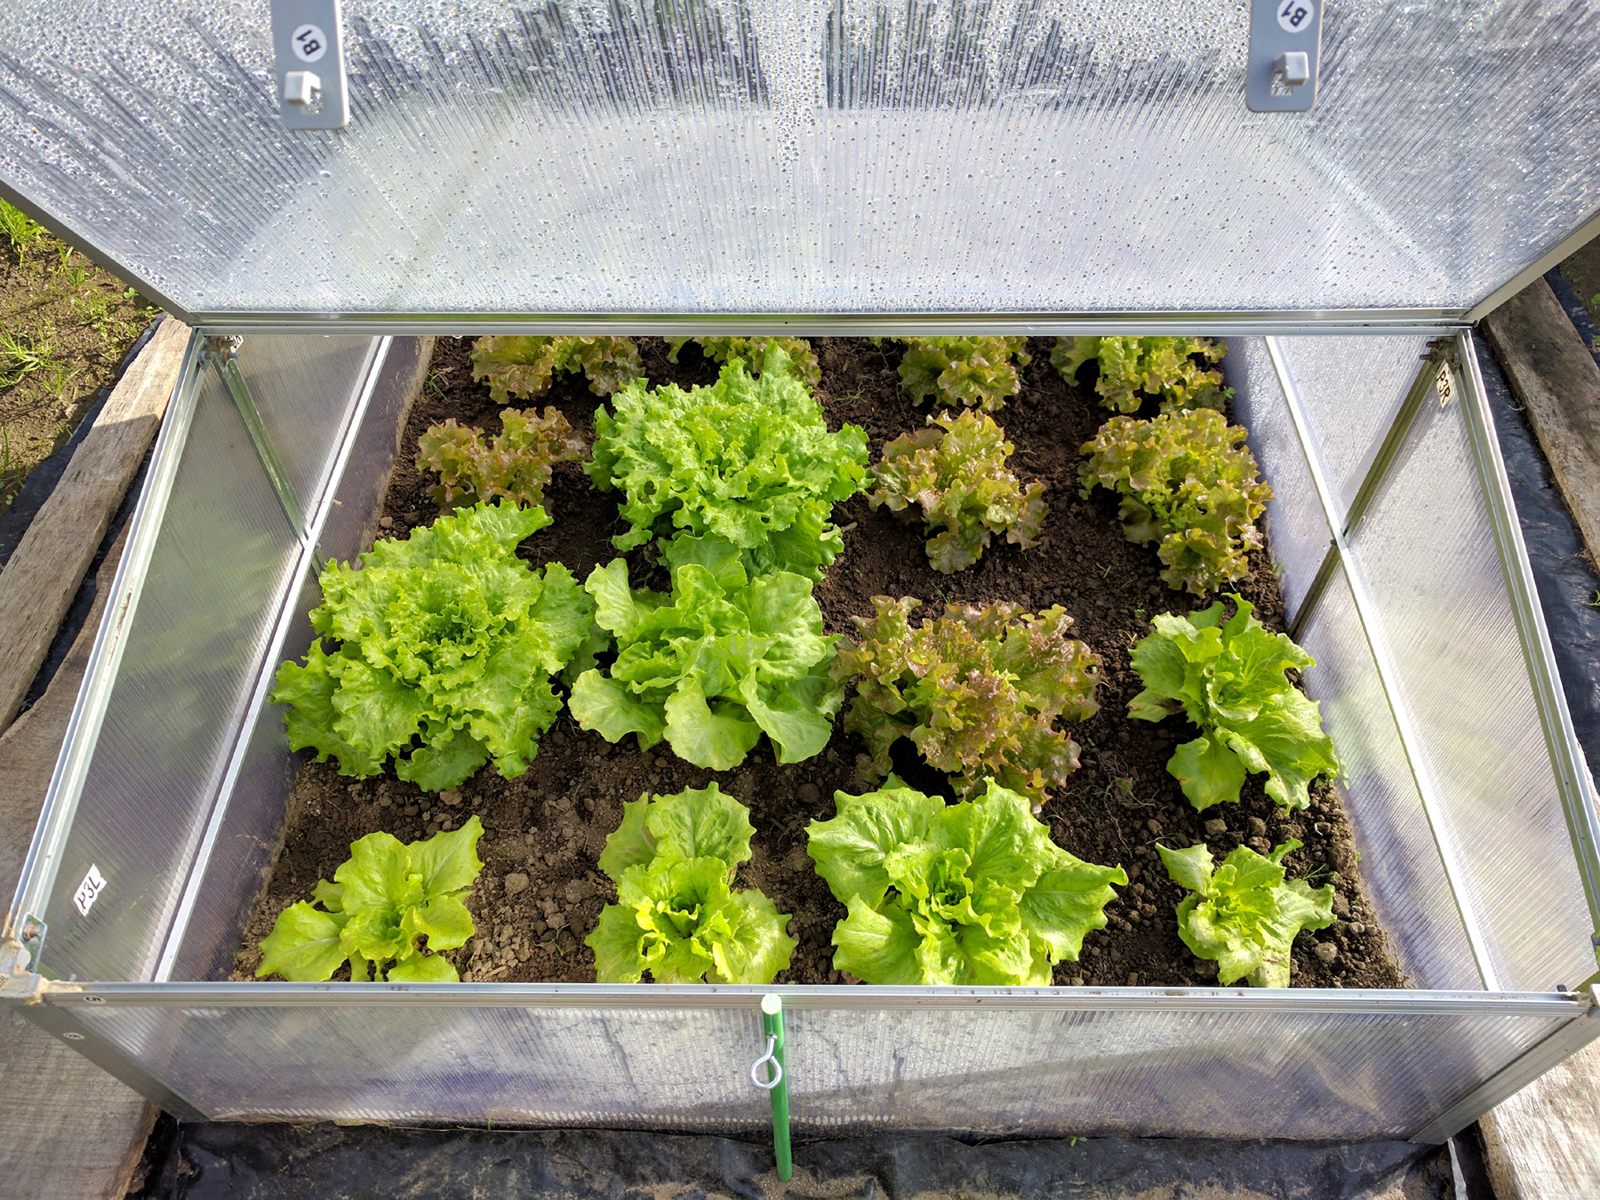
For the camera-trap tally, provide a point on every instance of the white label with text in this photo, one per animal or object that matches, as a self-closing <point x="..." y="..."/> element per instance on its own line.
<point x="89" y="890"/>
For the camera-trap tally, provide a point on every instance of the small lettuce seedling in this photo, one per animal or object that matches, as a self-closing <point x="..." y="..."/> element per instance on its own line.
<point x="712" y="665"/>
<point x="955" y="470"/>
<point x="1244" y="916"/>
<point x="749" y="460"/>
<point x="978" y="690"/>
<point x="386" y="898"/>
<point x="971" y="371"/>
<point x="523" y="366"/>
<point x="1229" y="679"/>
<point x="446" y="642"/>
<point x="753" y="350"/>
<point x="516" y="464"/>
<point x="1188" y="481"/>
<point x="673" y="860"/>
<point x="1132" y="368"/>
<point x="973" y="894"/>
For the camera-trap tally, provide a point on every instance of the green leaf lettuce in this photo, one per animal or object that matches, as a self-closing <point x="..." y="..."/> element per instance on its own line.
<point x="445" y="645"/>
<point x="748" y="460"/>
<point x="712" y="665"/>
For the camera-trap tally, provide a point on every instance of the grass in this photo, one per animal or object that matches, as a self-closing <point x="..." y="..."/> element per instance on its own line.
<point x="64" y="326"/>
<point x="20" y="230"/>
<point x="21" y="356"/>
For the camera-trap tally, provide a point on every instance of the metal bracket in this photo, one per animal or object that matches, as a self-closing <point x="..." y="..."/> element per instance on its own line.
<point x="1285" y="52"/>
<point x="222" y="354"/>
<point x="308" y="36"/>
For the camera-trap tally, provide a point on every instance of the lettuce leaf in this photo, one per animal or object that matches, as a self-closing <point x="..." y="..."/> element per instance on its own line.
<point x="972" y="371"/>
<point x="955" y="470"/>
<point x="1187" y="482"/>
<point x="753" y="350"/>
<point x="979" y="691"/>
<point x="673" y="860"/>
<point x="1134" y="367"/>
<point x="445" y="645"/>
<point x="523" y="366"/>
<point x="748" y="460"/>
<point x="386" y="899"/>
<point x="1243" y="916"/>
<point x="1229" y="679"/>
<point x="973" y="893"/>
<point x="516" y="464"/>
<point x="710" y="667"/>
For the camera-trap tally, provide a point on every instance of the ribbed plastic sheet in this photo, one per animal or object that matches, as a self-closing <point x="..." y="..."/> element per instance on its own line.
<point x="196" y="637"/>
<point x="1295" y="524"/>
<point x="303" y="387"/>
<point x="201" y="625"/>
<point x="1428" y="555"/>
<point x="728" y="156"/>
<point x="1048" y="1070"/>
<point x="1352" y="389"/>
<point x="1401" y="871"/>
<point x="250" y="823"/>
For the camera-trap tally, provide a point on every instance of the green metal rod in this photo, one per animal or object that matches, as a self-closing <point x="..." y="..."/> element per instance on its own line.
<point x="772" y="1030"/>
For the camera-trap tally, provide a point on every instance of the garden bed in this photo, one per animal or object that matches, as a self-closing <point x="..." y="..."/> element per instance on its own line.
<point x="540" y="892"/>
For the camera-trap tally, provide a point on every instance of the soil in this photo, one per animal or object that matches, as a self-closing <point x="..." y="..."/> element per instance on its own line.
<point x="540" y="892"/>
<point x="64" y="326"/>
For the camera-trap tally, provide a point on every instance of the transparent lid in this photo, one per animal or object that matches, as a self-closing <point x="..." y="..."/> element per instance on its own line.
<point x="807" y="157"/>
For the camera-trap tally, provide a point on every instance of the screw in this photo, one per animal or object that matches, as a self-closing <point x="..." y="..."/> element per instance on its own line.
<point x="73" y="1037"/>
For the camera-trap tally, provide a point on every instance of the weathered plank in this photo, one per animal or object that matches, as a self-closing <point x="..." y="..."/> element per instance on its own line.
<point x="1544" y="1142"/>
<point x="68" y="1131"/>
<point x="43" y="575"/>
<point x="1555" y="378"/>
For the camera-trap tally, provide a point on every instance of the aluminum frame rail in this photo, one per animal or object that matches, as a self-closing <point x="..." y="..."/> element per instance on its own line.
<point x="67" y="1011"/>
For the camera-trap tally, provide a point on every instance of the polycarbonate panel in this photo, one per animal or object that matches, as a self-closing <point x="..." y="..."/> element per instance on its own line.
<point x="1401" y="871"/>
<point x="1296" y="528"/>
<point x="1057" y="1068"/>
<point x="1352" y="389"/>
<point x="201" y="624"/>
<point x="1428" y="555"/>
<point x="302" y="387"/>
<point x="254" y="811"/>
<point x="728" y="156"/>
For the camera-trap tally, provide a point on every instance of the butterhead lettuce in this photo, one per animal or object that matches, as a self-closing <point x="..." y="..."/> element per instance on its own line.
<point x="677" y="915"/>
<point x="385" y="900"/>
<point x="972" y="893"/>
<point x="1229" y="679"/>
<point x="1244" y="915"/>
<point x="712" y="665"/>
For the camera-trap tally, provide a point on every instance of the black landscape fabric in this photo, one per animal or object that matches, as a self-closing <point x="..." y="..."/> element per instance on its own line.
<point x="328" y="1162"/>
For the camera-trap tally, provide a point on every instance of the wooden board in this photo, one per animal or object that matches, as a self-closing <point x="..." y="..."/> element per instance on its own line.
<point x="1544" y="1142"/>
<point x="1555" y="378"/>
<point x="43" y="575"/>
<point x="68" y="1131"/>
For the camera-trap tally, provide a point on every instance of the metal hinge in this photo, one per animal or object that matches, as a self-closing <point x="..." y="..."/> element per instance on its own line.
<point x="19" y="962"/>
